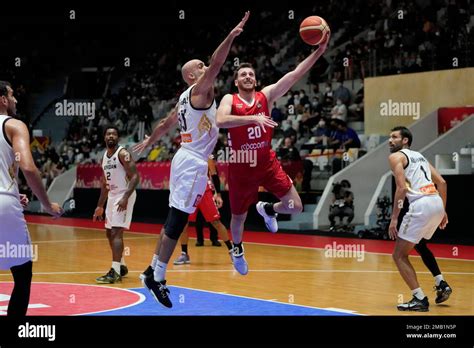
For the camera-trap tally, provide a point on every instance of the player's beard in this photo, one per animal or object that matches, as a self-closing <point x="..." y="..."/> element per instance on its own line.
<point x="111" y="144"/>
<point x="395" y="148"/>
<point x="11" y="110"/>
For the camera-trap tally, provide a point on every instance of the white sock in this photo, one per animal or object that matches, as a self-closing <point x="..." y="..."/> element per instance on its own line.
<point x="160" y="271"/>
<point x="418" y="293"/>
<point x="116" y="266"/>
<point x="438" y="279"/>
<point x="122" y="261"/>
<point x="154" y="261"/>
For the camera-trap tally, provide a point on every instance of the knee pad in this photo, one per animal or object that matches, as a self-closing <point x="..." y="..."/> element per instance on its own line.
<point x="175" y="223"/>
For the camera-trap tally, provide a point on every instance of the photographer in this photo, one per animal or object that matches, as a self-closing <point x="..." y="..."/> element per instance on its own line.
<point x="342" y="204"/>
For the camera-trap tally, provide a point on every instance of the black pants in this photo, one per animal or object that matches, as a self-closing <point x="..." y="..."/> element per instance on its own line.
<point x="20" y="297"/>
<point x="213" y="237"/>
<point x="307" y="172"/>
<point x="341" y="212"/>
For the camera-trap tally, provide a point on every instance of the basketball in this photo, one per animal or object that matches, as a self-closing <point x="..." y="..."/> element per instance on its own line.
<point x="314" y="30"/>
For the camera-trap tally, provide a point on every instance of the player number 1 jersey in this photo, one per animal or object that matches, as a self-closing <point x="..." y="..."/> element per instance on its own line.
<point x="418" y="176"/>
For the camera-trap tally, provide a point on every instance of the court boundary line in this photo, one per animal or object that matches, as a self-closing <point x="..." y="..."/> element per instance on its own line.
<point x="256" y="243"/>
<point x="259" y="299"/>
<point x="252" y="270"/>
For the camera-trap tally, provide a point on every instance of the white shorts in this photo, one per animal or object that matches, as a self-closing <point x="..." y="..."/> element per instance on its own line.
<point x="15" y="242"/>
<point x="422" y="219"/>
<point x="188" y="181"/>
<point x="114" y="218"/>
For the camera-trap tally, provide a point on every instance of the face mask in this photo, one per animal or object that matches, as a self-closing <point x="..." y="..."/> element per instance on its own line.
<point x="328" y="89"/>
<point x="338" y="102"/>
<point x="321" y="124"/>
<point x="301" y="95"/>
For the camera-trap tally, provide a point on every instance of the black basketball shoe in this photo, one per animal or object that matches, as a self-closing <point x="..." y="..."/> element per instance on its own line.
<point x="415" y="305"/>
<point x="443" y="291"/>
<point x="111" y="277"/>
<point x="146" y="273"/>
<point x="159" y="291"/>
<point x="123" y="270"/>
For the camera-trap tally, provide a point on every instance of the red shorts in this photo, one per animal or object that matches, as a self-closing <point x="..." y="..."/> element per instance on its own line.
<point x="243" y="185"/>
<point x="207" y="206"/>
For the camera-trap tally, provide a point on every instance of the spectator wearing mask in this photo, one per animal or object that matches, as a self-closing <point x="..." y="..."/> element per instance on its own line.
<point x="342" y="93"/>
<point x="304" y="100"/>
<point x="321" y="133"/>
<point x="328" y="99"/>
<point x="310" y="118"/>
<point x="339" y="111"/>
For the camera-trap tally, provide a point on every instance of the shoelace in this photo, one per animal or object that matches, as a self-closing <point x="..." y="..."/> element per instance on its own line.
<point x="164" y="290"/>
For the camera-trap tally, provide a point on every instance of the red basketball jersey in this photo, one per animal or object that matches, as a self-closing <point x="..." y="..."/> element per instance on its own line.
<point x="251" y="137"/>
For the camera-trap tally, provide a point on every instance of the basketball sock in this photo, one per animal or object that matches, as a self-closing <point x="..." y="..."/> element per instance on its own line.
<point x="269" y="208"/>
<point x="239" y="246"/>
<point x="418" y="293"/>
<point x="116" y="266"/>
<point x="184" y="248"/>
<point x="160" y="271"/>
<point x="438" y="279"/>
<point x="154" y="261"/>
<point x="228" y="244"/>
<point x="122" y="261"/>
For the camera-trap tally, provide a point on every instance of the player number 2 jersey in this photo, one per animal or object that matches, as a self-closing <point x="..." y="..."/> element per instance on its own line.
<point x="251" y="137"/>
<point x="197" y="126"/>
<point x="418" y="176"/>
<point x="114" y="173"/>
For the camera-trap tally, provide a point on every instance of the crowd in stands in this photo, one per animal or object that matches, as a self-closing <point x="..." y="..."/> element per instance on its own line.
<point x="423" y="37"/>
<point x="408" y="36"/>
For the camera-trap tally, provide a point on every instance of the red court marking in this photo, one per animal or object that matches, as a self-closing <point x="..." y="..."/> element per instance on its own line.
<point x="298" y="240"/>
<point x="73" y="299"/>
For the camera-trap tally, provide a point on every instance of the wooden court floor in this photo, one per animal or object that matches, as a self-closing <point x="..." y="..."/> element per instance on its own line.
<point x="367" y="285"/>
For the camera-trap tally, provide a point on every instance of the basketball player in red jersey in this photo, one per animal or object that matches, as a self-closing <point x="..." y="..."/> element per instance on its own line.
<point x="246" y="115"/>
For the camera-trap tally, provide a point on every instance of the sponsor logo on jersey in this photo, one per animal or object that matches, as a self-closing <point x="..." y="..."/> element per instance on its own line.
<point x="254" y="146"/>
<point x="186" y="138"/>
<point x="239" y="106"/>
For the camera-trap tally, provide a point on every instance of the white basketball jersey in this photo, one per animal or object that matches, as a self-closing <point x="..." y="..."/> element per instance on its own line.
<point x="8" y="164"/>
<point x="114" y="173"/>
<point x="418" y="176"/>
<point x="197" y="126"/>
